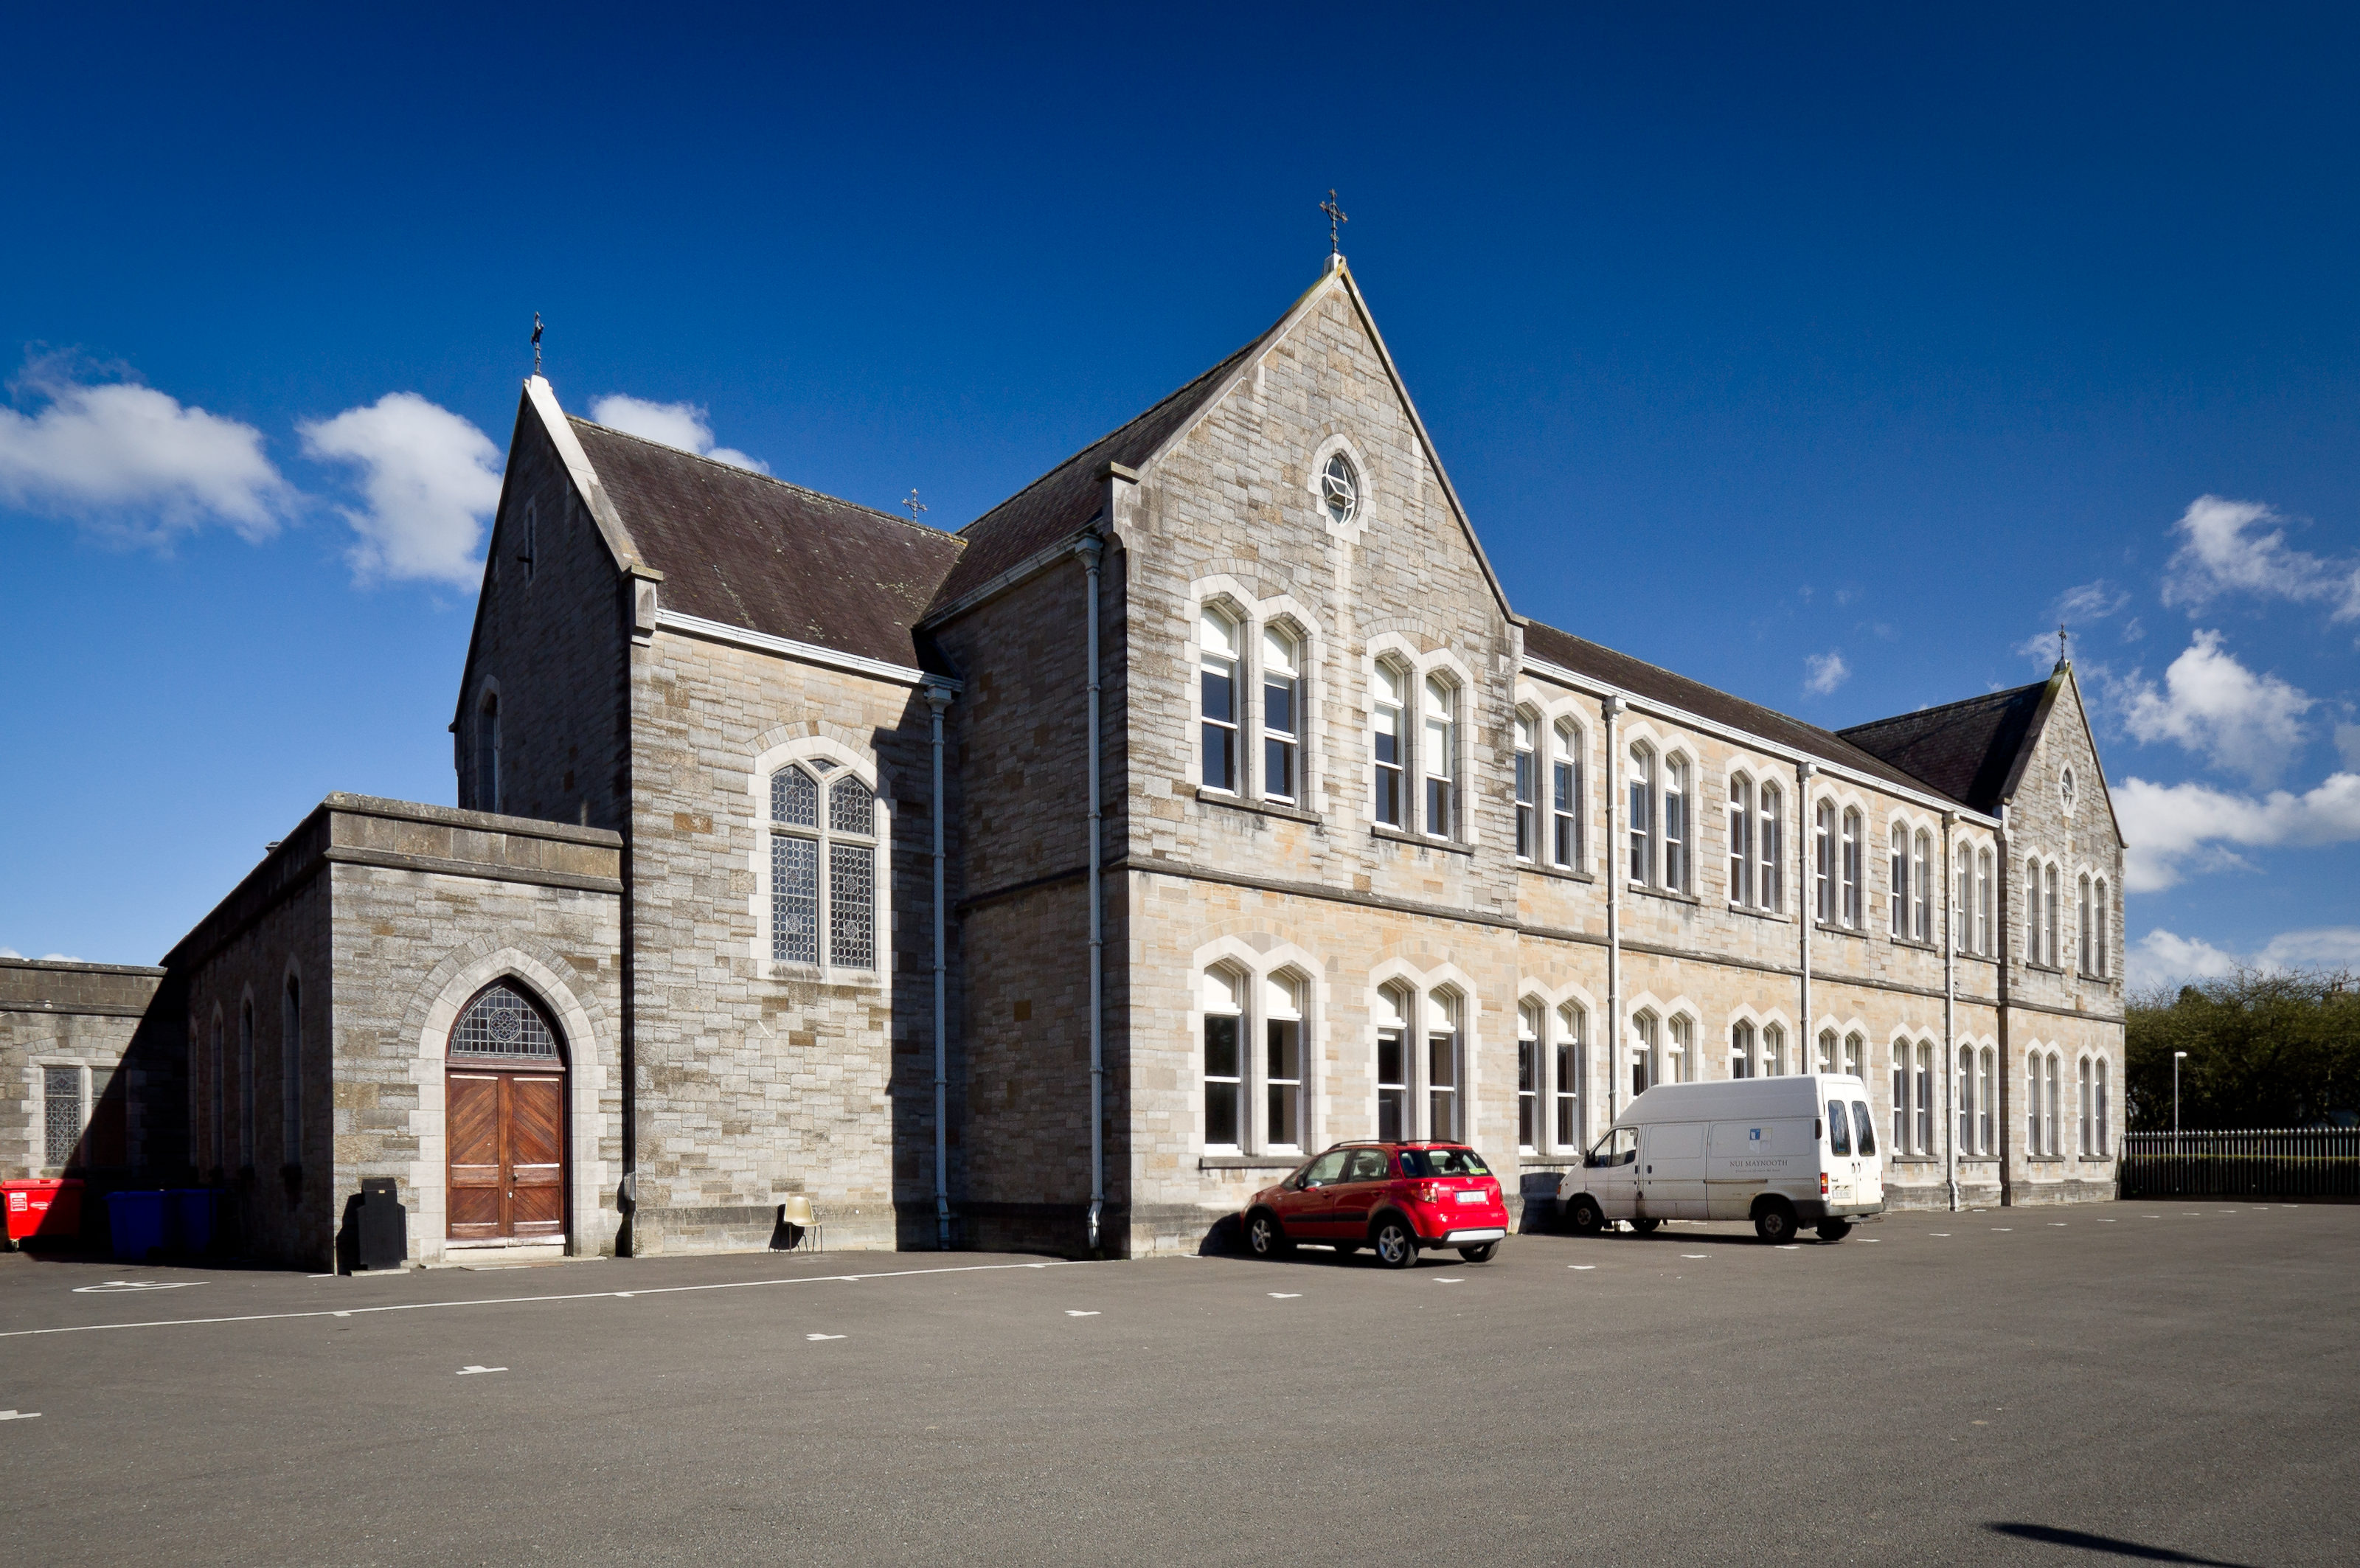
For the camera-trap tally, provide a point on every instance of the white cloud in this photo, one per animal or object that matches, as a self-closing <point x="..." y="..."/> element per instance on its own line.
<point x="2164" y="957"/>
<point x="1823" y="673"/>
<point x="2240" y="547"/>
<point x="2214" y="705"/>
<point x="2169" y="825"/>
<point x="10" y="953"/>
<point x="2092" y="602"/>
<point x="133" y="462"/>
<point x="2348" y="745"/>
<point x="2039" y="649"/>
<point x="683" y="425"/>
<point x="429" y="479"/>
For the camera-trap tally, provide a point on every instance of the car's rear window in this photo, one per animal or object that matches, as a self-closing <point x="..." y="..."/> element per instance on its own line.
<point x="1443" y="1162"/>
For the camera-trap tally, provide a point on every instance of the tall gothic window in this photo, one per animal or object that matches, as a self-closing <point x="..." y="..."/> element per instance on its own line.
<point x="1643" y="816"/>
<point x="1770" y="887"/>
<point x="2032" y="949"/>
<point x="2049" y="917"/>
<point x="1646" y="1054"/>
<point x="1442" y="1064"/>
<point x="245" y="1084"/>
<point x="1393" y="1064"/>
<point x="1528" y="1075"/>
<point x="1565" y="1080"/>
<point x="1983" y="902"/>
<point x="1854" y="852"/>
<point x="1741" y="1049"/>
<point x="1565" y="796"/>
<point x="1962" y="926"/>
<point x="1283" y="1062"/>
<point x="1921" y="884"/>
<point x="1900" y="880"/>
<point x="62" y="1115"/>
<point x="1823" y="864"/>
<point x="1678" y="825"/>
<point x="1438" y="754"/>
<point x="1389" y="742"/>
<point x="1216" y="661"/>
<point x="1527" y="784"/>
<point x="2104" y="913"/>
<point x="1741" y="841"/>
<point x="1225" y="1062"/>
<point x="823" y="867"/>
<point x="2081" y="934"/>
<point x="1282" y="714"/>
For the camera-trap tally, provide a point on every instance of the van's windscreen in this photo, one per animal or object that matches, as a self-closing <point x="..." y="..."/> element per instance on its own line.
<point x="1443" y="1162"/>
<point x="1838" y="1131"/>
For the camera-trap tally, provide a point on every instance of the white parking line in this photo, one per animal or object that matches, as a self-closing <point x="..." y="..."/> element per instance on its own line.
<point x="1582" y="1266"/>
<point x="531" y="1300"/>
<point x="1286" y="1294"/>
<point x="1695" y="1255"/>
<point x="471" y="1371"/>
<point x="1938" y="1233"/>
<point x="816" y="1338"/>
<point x="1070" y="1313"/>
<point x="20" y="1415"/>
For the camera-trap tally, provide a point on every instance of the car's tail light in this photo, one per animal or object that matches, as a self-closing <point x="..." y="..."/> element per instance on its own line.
<point x="1430" y="1192"/>
<point x="1823" y="1184"/>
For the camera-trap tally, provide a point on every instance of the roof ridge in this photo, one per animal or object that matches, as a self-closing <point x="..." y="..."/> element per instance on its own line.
<point x="1942" y="706"/>
<point x="768" y="478"/>
<point x="1691" y="680"/>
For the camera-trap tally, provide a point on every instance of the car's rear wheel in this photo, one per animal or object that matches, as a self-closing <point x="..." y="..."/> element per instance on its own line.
<point x="1834" y="1230"/>
<point x="1646" y="1227"/>
<point x="1395" y="1243"/>
<point x="1264" y="1237"/>
<point x="1775" y="1224"/>
<point x="1582" y="1216"/>
<point x="1482" y="1254"/>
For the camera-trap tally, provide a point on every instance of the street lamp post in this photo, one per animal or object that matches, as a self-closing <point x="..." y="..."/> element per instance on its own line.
<point x="2177" y="1057"/>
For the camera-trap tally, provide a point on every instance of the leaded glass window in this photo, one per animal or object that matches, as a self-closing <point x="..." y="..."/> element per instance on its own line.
<point x="823" y="867"/>
<point x="503" y="1023"/>
<point x="62" y="1117"/>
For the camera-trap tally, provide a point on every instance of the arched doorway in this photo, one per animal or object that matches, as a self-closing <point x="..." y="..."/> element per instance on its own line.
<point x="503" y="1121"/>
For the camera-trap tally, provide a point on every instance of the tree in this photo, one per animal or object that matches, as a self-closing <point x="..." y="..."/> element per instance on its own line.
<point x="2264" y="1049"/>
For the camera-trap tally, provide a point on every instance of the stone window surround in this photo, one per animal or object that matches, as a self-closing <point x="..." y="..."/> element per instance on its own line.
<point x="1758" y="773"/>
<point x="1553" y="1004"/>
<point x="1669" y="749"/>
<point x="1252" y="613"/>
<point x="1665" y="1012"/>
<point x="1842" y="801"/>
<point x="1925" y="1057"/>
<point x="1761" y="1022"/>
<point x="1549" y="710"/>
<point x="863" y="766"/>
<point x="37" y="1104"/>
<point x="1335" y="443"/>
<point x="1441" y="980"/>
<point x="1389" y="646"/>
<point x="1915" y="822"/>
<point x="1258" y="967"/>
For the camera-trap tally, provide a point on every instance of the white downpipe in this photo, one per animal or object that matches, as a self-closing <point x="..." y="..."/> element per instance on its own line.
<point x="1807" y="899"/>
<point x="1617" y="1047"/>
<point x="937" y="698"/>
<point x="1088" y="549"/>
<point x="1950" y="1005"/>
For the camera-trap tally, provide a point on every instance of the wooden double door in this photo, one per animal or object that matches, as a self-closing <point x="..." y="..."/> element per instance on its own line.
<point x="504" y="1129"/>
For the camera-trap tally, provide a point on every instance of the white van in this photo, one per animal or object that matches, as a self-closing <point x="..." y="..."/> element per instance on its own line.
<point x="1782" y="1152"/>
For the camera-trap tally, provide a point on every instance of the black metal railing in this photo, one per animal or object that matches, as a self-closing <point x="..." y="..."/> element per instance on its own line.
<point x="2269" y="1162"/>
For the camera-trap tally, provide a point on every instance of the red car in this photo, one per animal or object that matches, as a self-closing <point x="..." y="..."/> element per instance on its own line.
<point x="1390" y="1198"/>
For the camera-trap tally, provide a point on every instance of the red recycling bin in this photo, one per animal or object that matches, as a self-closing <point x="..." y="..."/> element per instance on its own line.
<point x="46" y="1208"/>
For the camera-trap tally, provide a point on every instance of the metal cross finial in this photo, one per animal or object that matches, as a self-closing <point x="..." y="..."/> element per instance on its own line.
<point x="2062" y="635"/>
<point x="1336" y="219"/>
<point x="914" y="505"/>
<point x="536" y="343"/>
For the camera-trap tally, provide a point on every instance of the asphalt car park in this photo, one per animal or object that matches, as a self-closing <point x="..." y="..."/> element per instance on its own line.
<point x="2146" y="1382"/>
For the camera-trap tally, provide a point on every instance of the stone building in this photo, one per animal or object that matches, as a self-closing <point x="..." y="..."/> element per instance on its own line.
<point x="1212" y="779"/>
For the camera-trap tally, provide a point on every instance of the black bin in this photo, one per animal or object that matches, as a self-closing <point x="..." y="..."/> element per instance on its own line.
<point x="384" y="1225"/>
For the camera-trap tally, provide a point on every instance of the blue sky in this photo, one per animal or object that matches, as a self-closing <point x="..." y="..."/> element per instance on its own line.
<point x="1826" y="355"/>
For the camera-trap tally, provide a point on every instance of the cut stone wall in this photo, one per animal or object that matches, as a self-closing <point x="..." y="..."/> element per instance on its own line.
<point x="99" y="1020"/>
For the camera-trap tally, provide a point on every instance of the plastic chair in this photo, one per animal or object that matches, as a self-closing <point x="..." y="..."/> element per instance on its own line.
<point x="797" y="1211"/>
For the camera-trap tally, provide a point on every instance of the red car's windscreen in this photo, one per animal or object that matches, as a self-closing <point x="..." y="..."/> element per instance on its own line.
<point x="1443" y="1162"/>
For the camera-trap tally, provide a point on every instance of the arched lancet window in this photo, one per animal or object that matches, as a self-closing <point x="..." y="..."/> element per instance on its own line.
<point x="1900" y="1097"/>
<point x="1850" y="869"/>
<point x="1680" y="1063"/>
<point x="1741" y="1049"/>
<point x="1225" y="1067"/>
<point x="1962" y="933"/>
<point x="1676" y="825"/>
<point x="1442" y="1066"/>
<point x="822" y="866"/>
<point x="1855" y="1056"/>
<point x="1983" y="902"/>
<point x="2048" y="915"/>
<point x="1646" y="1063"/>
<point x="2084" y="956"/>
<point x="2032" y="949"/>
<point x="1283" y="1098"/>
<point x="1389" y="741"/>
<point x="1900" y="880"/>
<point x="1527" y="785"/>
<point x="1217" y="665"/>
<point x="1528" y="1075"/>
<point x="1566" y="792"/>
<point x="2104" y="1148"/>
<point x="504" y="1022"/>
<point x="1439" y="755"/>
<point x="488" y="752"/>
<point x="1922" y="884"/>
<point x="1394" y="1003"/>
<point x="2051" y="1103"/>
<point x="1964" y="1094"/>
<point x="1282" y="713"/>
<point x="1986" y="1100"/>
<point x="1926" y="1081"/>
<point x="2104" y="924"/>
<point x="1770" y="887"/>
<point x="1773" y="1051"/>
<point x="1827" y="1050"/>
<point x="1741" y="839"/>
<point x="1564" y="1081"/>
<point x="2032" y="1102"/>
<point x="1823" y="864"/>
<point x="2084" y="1142"/>
<point x="1642" y="815"/>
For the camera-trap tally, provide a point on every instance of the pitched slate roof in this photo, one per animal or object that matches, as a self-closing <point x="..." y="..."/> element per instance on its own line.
<point x="1967" y="749"/>
<point x="1658" y="684"/>
<point x="1060" y="503"/>
<point x="746" y="550"/>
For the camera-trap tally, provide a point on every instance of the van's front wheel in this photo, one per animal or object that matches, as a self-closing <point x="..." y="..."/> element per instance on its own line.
<point x="1834" y="1230"/>
<point x="1582" y="1216"/>
<point x="1775" y="1224"/>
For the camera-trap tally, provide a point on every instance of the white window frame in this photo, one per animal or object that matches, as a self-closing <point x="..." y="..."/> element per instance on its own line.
<point x="1770" y="843"/>
<point x="1774" y="1050"/>
<point x="1437" y="757"/>
<point x="1532" y="1097"/>
<point x="1680" y="1052"/>
<point x="1404" y="715"/>
<point x="1443" y="1034"/>
<point x="1568" y="787"/>
<point x="1567" y="1130"/>
<point x="1641" y="825"/>
<point x="1922" y="880"/>
<point x="2105" y="1104"/>
<point x="1224" y="991"/>
<point x="1983" y="901"/>
<point x="1741" y="1049"/>
<point x="1824" y="862"/>
<point x="1397" y="1016"/>
<point x="1741" y="841"/>
<point x="1646" y="1058"/>
<point x="1852" y="873"/>
<point x="1226" y="658"/>
<point x="1898" y="880"/>
<point x="1527" y="784"/>
<point x="1286" y="994"/>
<point x="2104" y="913"/>
<point x="1679" y="828"/>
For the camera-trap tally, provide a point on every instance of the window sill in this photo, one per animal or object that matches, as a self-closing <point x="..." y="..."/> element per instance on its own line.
<point x="1208" y="796"/>
<point x="1665" y="893"/>
<point x="1822" y="928"/>
<point x="1563" y="873"/>
<point x="1248" y="1162"/>
<point x="816" y="974"/>
<point x="1419" y="840"/>
<point x="1758" y="914"/>
<point x="1913" y="942"/>
<point x="2044" y="968"/>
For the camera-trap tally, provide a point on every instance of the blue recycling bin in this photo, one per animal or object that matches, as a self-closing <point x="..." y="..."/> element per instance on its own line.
<point x="189" y="1220"/>
<point x="134" y="1221"/>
